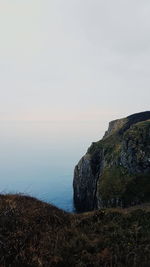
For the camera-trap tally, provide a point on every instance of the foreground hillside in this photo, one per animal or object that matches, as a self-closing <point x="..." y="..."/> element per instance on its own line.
<point x="33" y="233"/>
<point x="116" y="170"/>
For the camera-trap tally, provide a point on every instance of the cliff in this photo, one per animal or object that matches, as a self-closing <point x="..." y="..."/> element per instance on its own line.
<point x="34" y="234"/>
<point x="116" y="170"/>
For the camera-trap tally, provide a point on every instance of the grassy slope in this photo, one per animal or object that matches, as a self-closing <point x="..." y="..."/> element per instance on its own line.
<point x="116" y="182"/>
<point x="33" y="233"/>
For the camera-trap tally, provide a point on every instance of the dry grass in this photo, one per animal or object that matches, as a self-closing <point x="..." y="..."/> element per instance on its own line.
<point x="33" y="233"/>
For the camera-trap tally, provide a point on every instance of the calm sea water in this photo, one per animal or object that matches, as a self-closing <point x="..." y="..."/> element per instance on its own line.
<point x="38" y="158"/>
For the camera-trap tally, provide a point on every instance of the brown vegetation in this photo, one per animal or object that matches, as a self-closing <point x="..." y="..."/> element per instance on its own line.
<point x="33" y="233"/>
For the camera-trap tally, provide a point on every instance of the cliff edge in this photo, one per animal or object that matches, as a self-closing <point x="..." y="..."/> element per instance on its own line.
<point x="115" y="171"/>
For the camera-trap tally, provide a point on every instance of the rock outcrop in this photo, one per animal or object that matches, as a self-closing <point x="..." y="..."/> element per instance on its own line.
<point x="116" y="170"/>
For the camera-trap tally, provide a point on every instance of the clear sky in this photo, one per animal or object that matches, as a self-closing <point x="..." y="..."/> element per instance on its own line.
<point x="74" y="59"/>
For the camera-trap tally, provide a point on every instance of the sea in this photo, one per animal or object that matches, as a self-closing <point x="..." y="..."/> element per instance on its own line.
<point x="37" y="158"/>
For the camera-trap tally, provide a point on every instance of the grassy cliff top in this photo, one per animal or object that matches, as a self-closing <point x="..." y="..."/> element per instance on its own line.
<point x="33" y="233"/>
<point x="122" y="125"/>
<point x="131" y="126"/>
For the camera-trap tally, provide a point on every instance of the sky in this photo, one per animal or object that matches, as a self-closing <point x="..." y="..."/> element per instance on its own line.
<point x="74" y="60"/>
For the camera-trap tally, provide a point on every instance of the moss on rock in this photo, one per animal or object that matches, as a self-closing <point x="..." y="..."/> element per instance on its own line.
<point x="120" y="164"/>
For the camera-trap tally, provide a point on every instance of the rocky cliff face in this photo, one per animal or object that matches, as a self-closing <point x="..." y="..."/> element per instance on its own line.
<point x="116" y="170"/>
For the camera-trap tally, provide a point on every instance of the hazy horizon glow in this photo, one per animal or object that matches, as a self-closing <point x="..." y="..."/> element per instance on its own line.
<point x="74" y="60"/>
